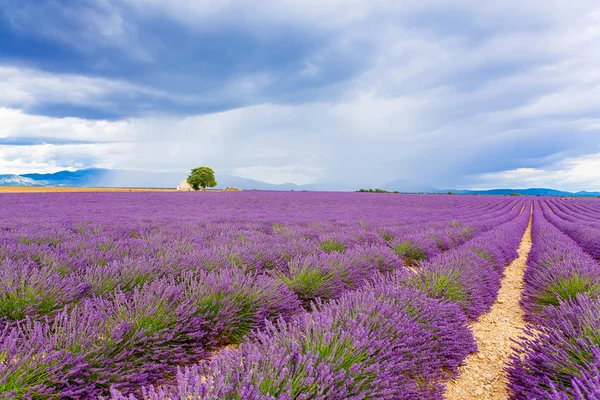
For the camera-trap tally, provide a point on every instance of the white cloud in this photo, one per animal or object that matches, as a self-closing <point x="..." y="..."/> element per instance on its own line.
<point x="571" y="173"/>
<point x="24" y="87"/>
<point x="46" y="158"/>
<point x="16" y="123"/>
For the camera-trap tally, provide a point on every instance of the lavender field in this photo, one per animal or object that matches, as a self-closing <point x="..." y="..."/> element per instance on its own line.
<point x="281" y="295"/>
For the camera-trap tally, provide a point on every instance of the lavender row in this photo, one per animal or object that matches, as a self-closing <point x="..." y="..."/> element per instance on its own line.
<point x="559" y="356"/>
<point x="398" y="337"/>
<point x="577" y="210"/>
<point x="573" y="211"/>
<point x="470" y="274"/>
<point x="588" y="237"/>
<point x="558" y="269"/>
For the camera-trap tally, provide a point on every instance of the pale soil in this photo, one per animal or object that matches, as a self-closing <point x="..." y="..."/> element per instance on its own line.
<point x="483" y="376"/>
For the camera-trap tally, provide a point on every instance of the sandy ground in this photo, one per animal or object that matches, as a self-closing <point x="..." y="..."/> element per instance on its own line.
<point x="42" y="189"/>
<point x="483" y="376"/>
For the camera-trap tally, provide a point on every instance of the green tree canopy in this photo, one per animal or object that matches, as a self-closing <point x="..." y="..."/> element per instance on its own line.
<point x="202" y="177"/>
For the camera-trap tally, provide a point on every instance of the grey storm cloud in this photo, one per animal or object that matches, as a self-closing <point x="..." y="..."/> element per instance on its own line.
<point x="461" y="94"/>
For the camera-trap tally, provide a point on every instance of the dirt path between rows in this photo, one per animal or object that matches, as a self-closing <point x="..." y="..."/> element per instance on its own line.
<point x="483" y="376"/>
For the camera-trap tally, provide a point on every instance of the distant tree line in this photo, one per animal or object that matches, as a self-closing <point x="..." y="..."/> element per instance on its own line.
<point x="375" y="191"/>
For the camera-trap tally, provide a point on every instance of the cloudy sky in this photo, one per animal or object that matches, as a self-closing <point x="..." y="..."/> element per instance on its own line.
<point x="463" y="93"/>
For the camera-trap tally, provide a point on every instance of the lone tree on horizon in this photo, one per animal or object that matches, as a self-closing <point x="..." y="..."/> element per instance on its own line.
<point x="202" y="177"/>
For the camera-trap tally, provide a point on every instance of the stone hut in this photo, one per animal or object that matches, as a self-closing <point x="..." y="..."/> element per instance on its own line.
<point x="184" y="186"/>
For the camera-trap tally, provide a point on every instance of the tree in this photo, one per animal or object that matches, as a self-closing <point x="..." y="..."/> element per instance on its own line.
<point x="202" y="177"/>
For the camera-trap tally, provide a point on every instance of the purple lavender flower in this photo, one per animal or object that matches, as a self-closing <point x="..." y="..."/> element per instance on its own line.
<point x="562" y="355"/>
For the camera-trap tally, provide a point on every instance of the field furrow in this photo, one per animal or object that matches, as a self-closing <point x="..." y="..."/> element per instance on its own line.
<point x="483" y="376"/>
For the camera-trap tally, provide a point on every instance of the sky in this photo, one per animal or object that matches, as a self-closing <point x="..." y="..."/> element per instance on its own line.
<point x="452" y="94"/>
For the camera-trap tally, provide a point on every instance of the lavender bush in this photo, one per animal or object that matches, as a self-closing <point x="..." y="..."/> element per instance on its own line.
<point x="558" y="269"/>
<point x="28" y="291"/>
<point x="233" y="303"/>
<point x="381" y="342"/>
<point x="562" y="356"/>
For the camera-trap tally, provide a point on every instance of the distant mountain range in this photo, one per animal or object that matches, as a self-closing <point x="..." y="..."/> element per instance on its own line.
<point x="526" y="192"/>
<point x="99" y="177"/>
